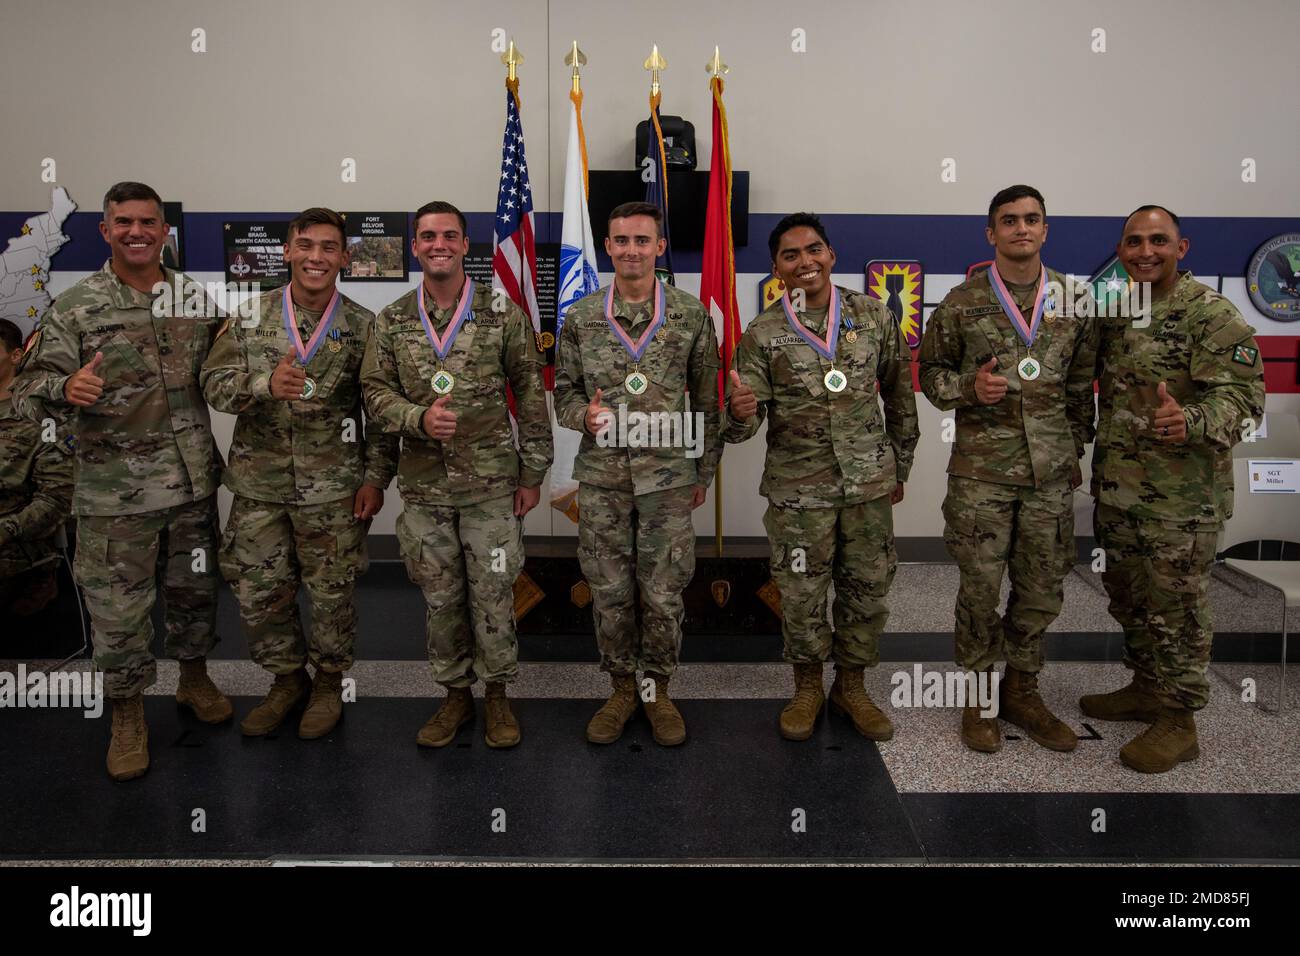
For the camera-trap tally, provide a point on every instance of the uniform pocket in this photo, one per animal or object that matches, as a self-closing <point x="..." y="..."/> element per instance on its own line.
<point x="90" y="563"/>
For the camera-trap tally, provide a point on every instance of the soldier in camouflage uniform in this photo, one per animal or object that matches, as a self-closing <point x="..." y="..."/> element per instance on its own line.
<point x="305" y="479"/>
<point x="636" y="490"/>
<point x="1024" y="415"/>
<point x="1178" y="389"/>
<point x="35" y="495"/>
<point x="834" y="469"/>
<point x="435" y="373"/>
<point x="124" y="351"/>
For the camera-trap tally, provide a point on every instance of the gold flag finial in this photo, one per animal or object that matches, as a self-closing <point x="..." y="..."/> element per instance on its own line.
<point x="654" y="64"/>
<point x="576" y="59"/>
<point x="512" y="58"/>
<point x="716" y="67"/>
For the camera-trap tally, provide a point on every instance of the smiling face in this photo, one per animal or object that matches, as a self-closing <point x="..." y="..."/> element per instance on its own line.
<point x="1019" y="229"/>
<point x="134" y="231"/>
<point x="1151" y="249"/>
<point x="633" y="245"/>
<point x="440" y="245"/>
<point x="804" y="260"/>
<point x="316" y="255"/>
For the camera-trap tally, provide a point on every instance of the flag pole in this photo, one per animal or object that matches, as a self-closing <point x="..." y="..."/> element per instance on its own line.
<point x="716" y="68"/>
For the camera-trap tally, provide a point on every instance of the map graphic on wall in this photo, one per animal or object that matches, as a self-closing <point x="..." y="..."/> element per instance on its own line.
<point x="25" y="264"/>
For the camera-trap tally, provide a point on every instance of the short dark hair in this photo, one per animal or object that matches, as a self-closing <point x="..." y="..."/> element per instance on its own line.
<point x="628" y="209"/>
<point x="438" y="206"/>
<point x="10" y="335"/>
<point x="1151" y="207"/>
<point x="127" y="191"/>
<point x="1011" y="194"/>
<point x="794" y="221"/>
<point x="317" y="216"/>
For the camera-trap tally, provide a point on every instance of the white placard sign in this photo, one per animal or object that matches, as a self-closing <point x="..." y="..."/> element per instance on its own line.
<point x="1279" y="476"/>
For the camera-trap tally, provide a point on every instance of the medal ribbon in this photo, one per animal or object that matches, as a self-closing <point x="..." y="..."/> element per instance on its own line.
<point x="825" y="347"/>
<point x="1003" y="294"/>
<point x="636" y="349"/>
<point x="443" y="345"/>
<point x="291" y="326"/>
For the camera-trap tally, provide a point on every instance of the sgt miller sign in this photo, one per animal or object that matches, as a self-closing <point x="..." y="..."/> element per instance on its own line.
<point x="1274" y="477"/>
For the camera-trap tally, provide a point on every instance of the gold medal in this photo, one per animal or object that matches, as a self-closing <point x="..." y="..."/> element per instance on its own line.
<point x="851" y="336"/>
<point x="334" y="345"/>
<point x="442" y="382"/>
<point x="636" y="383"/>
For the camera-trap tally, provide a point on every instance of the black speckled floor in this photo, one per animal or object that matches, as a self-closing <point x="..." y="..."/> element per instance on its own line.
<point x="734" y="791"/>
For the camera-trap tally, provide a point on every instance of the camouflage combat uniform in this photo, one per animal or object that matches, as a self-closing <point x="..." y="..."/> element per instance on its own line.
<point x="462" y="543"/>
<point x="634" y="503"/>
<point x="831" y="466"/>
<point x="1161" y="506"/>
<point x="1014" y="465"/>
<point x="35" y="498"/>
<point x="146" y="467"/>
<point x="294" y="469"/>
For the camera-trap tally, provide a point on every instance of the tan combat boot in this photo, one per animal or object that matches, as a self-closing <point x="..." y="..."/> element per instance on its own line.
<point x="978" y="732"/>
<point x="607" y="726"/>
<point x="1169" y="741"/>
<point x="849" y="699"/>
<point x="502" y="728"/>
<point x="197" y="692"/>
<point x="456" y="711"/>
<point x="1137" y="701"/>
<point x="128" y="751"/>
<point x="325" y="706"/>
<point x="666" y="721"/>
<point x="1020" y="704"/>
<point x="800" y="715"/>
<point x="288" y="691"/>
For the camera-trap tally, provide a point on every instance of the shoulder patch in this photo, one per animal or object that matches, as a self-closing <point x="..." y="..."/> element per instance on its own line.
<point x="537" y="340"/>
<point x="1245" y="355"/>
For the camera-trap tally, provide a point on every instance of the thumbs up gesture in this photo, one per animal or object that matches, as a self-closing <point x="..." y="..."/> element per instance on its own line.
<point x="597" y="414"/>
<point x="1170" y="422"/>
<point x="990" y="388"/>
<point x="743" y="404"/>
<point x="84" y="386"/>
<point x="287" y="380"/>
<point x="439" y="421"/>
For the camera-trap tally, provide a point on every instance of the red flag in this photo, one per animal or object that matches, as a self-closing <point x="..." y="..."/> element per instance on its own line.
<point x="718" y="271"/>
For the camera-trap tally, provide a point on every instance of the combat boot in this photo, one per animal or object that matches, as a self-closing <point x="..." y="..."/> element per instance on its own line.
<point x="849" y="699"/>
<point x="800" y="715"/>
<point x="197" y="692"/>
<point x="325" y="706"/>
<point x="666" y="721"/>
<point x="1137" y="701"/>
<point x="502" y="728"/>
<point x="1019" y="704"/>
<point x="288" y="691"/>
<point x="607" y="726"/>
<point x="456" y="711"/>
<point x="128" y="751"/>
<point x="978" y="732"/>
<point x="1169" y="741"/>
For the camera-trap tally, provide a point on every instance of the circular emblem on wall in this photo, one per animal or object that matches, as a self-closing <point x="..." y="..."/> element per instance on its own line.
<point x="1273" y="278"/>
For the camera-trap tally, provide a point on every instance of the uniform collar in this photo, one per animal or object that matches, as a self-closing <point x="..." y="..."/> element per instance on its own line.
<point x="123" y="295"/>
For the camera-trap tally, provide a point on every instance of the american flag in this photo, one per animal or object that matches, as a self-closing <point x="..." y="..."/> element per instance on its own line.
<point x="514" y="251"/>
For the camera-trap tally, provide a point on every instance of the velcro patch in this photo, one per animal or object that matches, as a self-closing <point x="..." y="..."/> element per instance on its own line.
<point x="1245" y="355"/>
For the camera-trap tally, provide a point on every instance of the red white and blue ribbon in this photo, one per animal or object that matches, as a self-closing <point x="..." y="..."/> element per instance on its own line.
<point x="824" y="346"/>
<point x="636" y="349"/>
<point x="442" y="344"/>
<point x="305" y="352"/>
<point x="1029" y="331"/>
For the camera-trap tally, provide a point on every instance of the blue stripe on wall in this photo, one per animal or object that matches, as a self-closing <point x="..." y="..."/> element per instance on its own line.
<point x="943" y="244"/>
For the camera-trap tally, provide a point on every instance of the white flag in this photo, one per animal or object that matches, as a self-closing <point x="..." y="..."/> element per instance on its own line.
<point x="578" y="277"/>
